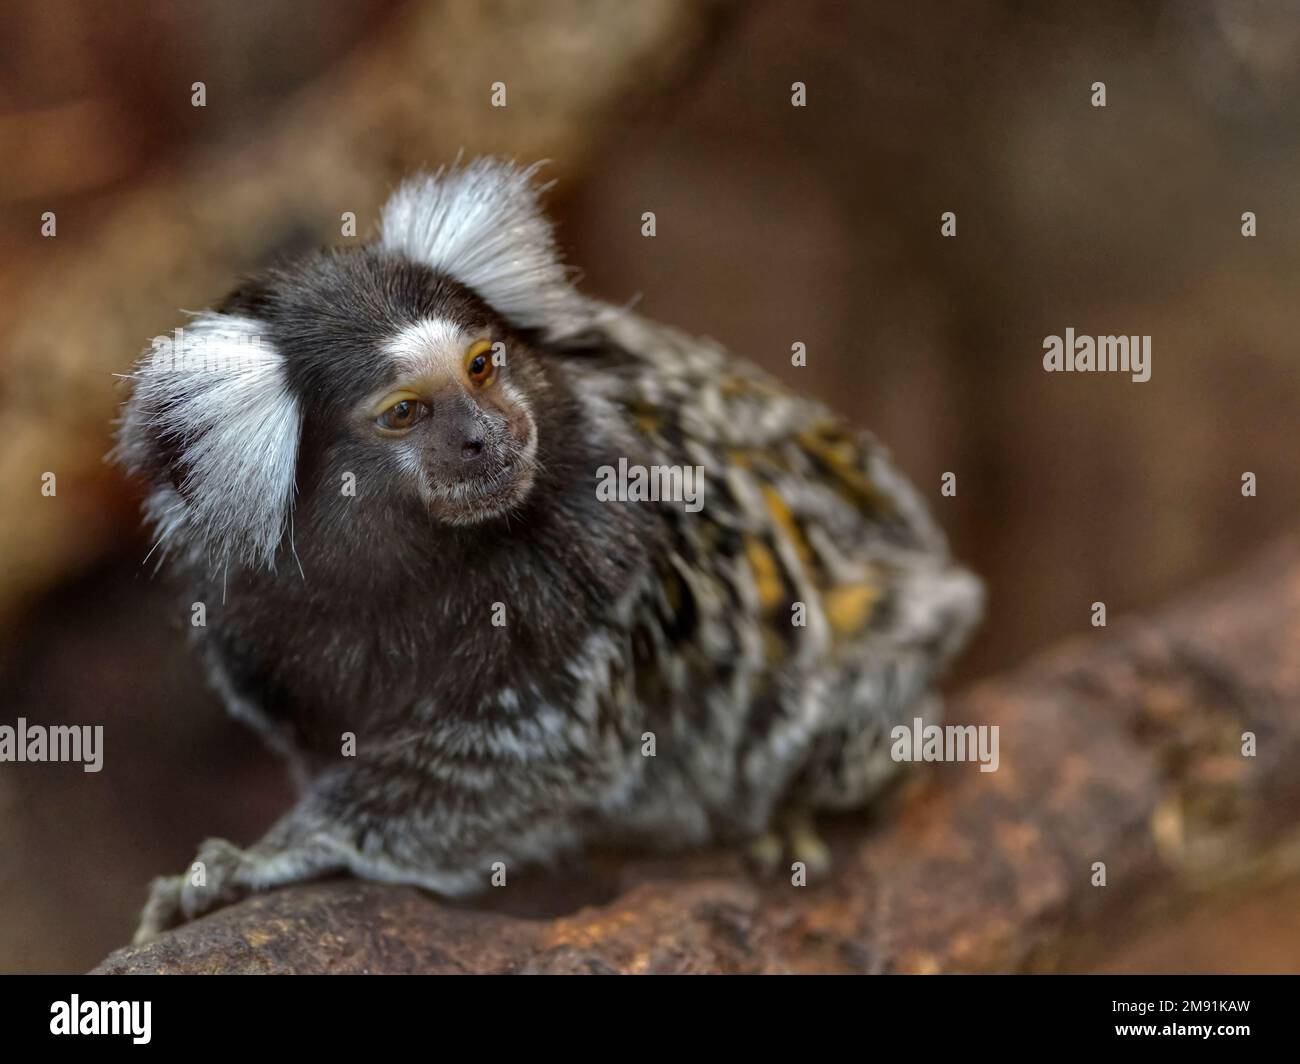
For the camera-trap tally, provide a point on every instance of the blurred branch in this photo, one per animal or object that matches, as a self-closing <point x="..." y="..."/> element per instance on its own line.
<point x="1123" y="746"/>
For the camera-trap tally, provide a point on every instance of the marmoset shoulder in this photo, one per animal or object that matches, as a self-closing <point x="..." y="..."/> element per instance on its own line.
<point x="505" y="571"/>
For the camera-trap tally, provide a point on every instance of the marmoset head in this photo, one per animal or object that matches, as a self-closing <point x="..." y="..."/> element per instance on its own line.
<point x="406" y="376"/>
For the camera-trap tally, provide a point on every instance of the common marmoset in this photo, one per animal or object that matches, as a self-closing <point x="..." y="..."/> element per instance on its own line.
<point x="381" y="470"/>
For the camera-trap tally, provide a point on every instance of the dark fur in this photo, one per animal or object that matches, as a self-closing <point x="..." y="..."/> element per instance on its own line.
<point x="389" y="605"/>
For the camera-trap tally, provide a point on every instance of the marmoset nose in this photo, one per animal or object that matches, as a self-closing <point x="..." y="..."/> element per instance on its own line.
<point x="471" y="449"/>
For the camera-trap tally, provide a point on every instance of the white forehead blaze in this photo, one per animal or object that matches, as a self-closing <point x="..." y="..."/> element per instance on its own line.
<point x="482" y="225"/>
<point x="432" y="346"/>
<point x="215" y="396"/>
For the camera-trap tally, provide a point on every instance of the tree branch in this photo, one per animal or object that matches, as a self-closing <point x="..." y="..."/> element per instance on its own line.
<point x="1123" y="746"/>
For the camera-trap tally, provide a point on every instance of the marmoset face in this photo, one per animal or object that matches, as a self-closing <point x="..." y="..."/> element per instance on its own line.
<point x="451" y="421"/>
<point x="405" y="379"/>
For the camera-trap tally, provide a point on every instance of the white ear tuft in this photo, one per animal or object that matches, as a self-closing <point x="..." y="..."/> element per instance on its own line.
<point x="482" y="225"/>
<point x="213" y="422"/>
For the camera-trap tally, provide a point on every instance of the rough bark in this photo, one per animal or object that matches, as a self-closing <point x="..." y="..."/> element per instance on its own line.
<point x="1122" y="746"/>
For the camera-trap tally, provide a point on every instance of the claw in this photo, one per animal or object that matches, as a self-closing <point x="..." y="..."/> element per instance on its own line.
<point x="793" y="837"/>
<point x="807" y="846"/>
<point x="174" y="900"/>
<point x="765" y="853"/>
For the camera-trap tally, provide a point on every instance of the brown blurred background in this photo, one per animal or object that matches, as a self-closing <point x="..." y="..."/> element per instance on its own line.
<point x="776" y="224"/>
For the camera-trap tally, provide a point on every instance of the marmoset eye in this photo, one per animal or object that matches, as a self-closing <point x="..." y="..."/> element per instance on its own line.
<point x="402" y="415"/>
<point x="478" y="364"/>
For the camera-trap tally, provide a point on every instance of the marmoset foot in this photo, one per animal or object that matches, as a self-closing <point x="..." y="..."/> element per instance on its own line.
<point x="792" y="837"/>
<point x="213" y="880"/>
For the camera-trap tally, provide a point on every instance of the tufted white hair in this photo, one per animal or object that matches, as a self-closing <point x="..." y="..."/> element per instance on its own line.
<point x="482" y="225"/>
<point x="215" y="395"/>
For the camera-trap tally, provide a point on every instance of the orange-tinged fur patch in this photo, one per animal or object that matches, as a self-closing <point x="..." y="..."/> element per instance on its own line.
<point x="786" y="523"/>
<point x="840" y="456"/>
<point x="848" y="608"/>
<point x="767" y="575"/>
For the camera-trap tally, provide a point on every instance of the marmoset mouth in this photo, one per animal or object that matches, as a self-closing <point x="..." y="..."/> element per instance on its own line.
<point x="481" y="498"/>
